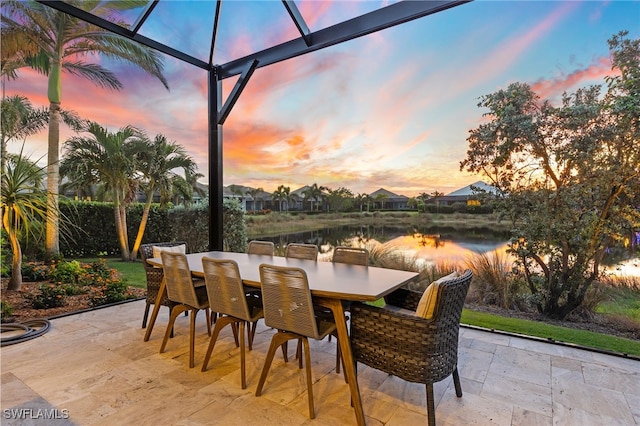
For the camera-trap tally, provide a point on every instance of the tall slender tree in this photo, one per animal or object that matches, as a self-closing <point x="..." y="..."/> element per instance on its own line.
<point x="51" y="42"/>
<point x="158" y="163"/>
<point x="111" y="159"/>
<point x="22" y="203"/>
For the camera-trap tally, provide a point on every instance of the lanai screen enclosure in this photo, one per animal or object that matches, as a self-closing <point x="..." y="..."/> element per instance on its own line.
<point x="219" y="109"/>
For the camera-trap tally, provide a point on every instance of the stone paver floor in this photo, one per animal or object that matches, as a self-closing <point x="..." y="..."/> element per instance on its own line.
<point x="94" y="368"/>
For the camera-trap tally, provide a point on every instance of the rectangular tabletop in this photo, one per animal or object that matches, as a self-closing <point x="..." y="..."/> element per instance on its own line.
<point x="326" y="279"/>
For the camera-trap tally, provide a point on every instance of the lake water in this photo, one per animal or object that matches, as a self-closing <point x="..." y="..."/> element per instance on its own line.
<point x="430" y="245"/>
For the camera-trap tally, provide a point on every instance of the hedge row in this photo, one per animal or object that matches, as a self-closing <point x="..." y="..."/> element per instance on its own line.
<point x="93" y="231"/>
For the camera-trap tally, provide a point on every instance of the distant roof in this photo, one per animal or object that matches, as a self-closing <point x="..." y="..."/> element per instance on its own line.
<point x="467" y="190"/>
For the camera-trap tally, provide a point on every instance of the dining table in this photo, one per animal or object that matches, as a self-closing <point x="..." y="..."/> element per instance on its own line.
<point x="330" y="283"/>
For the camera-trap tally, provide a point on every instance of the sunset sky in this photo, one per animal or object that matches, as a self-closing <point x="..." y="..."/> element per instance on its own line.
<point x="391" y="110"/>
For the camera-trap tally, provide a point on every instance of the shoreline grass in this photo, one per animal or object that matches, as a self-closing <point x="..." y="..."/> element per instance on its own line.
<point x="542" y="330"/>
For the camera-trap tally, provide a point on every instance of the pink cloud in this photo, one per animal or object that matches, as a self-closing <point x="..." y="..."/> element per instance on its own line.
<point x="551" y="88"/>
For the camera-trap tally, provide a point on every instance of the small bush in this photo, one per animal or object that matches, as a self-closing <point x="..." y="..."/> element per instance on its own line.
<point x="111" y="292"/>
<point x="6" y="310"/>
<point x="34" y="271"/>
<point x="50" y="296"/>
<point x="65" y="272"/>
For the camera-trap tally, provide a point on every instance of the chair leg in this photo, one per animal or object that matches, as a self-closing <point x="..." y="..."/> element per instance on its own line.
<point x="221" y="323"/>
<point x="146" y="314"/>
<point x="278" y="340"/>
<point x="208" y="315"/>
<point x="312" y="411"/>
<point x="243" y="371"/>
<point x="431" y="409"/>
<point x="456" y="382"/>
<point x="175" y="311"/>
<point x="192" y="337"/>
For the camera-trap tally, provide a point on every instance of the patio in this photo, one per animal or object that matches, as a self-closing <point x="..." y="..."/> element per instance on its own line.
<point x="96" y="367"/>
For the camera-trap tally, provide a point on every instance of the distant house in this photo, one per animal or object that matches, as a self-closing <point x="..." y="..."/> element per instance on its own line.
<point x="387" y="200"/>
<point x="470" y="194"/>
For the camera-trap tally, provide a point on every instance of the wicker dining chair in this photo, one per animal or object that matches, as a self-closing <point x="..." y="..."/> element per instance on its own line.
<point x="155" y="274"/>
<point x="227" y="297"/>
<point x="301" y="251"/>
<point x="350" y="256"/>
<point x="419" y="350"/>
<point x="266" y="248"/>
<point x="288" y="307"/>
<point x="187" y="294"/>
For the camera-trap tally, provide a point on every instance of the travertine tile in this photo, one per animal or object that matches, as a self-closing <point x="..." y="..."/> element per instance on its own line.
<point x="590" y="405"/>
<point x="518" y="393"/>
<point x="96" y="366"/>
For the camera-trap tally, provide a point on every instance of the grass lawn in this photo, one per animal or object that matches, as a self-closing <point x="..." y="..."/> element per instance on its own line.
<point x="554" y="332"/>
<point x="132" y="272"/>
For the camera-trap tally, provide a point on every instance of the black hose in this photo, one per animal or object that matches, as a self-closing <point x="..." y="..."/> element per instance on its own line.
<point x="30" y="330"/>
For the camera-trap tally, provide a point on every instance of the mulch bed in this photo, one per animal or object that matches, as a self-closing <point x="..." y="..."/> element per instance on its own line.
<point x="22" y="309"/>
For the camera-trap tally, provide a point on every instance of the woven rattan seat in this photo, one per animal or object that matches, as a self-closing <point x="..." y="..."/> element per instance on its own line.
<point x="301" y="251"/>
<point x="351" y="255"/>
<point x="410" y="347"/>
<point x="227" y="297"/>
<point x="263" y="248"/>
<point x="154" y="276"/>
<point x="288" y="307"/>
<point x="187" y="295"/>
<point x="266" y="248"/>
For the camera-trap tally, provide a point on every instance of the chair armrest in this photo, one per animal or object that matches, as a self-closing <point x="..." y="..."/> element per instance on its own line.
<point x="403" y="345"/>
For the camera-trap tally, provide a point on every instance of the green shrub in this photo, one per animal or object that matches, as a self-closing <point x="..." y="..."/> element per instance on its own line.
<point x="34" y="271"/>
<point x="111" y="291"/>
<point x="65" y="272"/>
<point x="50" y="296"/>
<point x="6" y="310"/>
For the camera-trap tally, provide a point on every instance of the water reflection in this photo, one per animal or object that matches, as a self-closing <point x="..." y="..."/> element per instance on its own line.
<point x="433" y="248"/>
<point x="431" y="245"/>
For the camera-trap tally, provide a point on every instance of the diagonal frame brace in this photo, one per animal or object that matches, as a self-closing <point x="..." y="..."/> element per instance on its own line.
<point x="237" y="90"/>
<point x="295" y="14"/>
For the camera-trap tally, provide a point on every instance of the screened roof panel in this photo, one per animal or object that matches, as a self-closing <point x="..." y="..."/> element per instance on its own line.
<point x="126" y="16"/>
<point x="184" y="26"/>
<point x="248" y="27"/>
<point x="320" y="14"/>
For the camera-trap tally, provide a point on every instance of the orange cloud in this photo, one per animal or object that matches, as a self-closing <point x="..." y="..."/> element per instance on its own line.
<point x="551" y="88"/>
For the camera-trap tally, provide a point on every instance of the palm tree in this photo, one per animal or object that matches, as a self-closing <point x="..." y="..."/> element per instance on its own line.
<point x="110" y="159"/>
<point x="313" y="193"/>
<point x="281" y="194"/>
<point x="436" y="197"/>
<point x="18" y="121"/>
<point x="255" y="194"/>
<point x="23" y="202"/>
<point x="381" y="198"/>
<point x="62" y="42"/>
<point x="157" y="164"/>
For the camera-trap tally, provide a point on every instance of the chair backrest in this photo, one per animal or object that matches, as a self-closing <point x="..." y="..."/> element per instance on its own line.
<point x="261" y="247"/>
<point x="351" y="255"/>
<point x="224" y="288"/>
<point x="177" y="274"/>
<point x="302" y="251"/>
<point x="446" y="318"/>
<point x="287" y="300"/>
<point x="146" y="250"/>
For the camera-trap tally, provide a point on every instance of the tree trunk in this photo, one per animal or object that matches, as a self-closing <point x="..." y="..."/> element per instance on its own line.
<point x="52" y="235"/>
<point x="121" y="228"/>
<point x="142" y="227"/>
<point x="15" y="282"/>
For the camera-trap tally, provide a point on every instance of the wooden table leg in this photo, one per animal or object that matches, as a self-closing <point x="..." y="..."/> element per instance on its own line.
<point x="345" y="346"/>
<point x="162" y="291"/>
